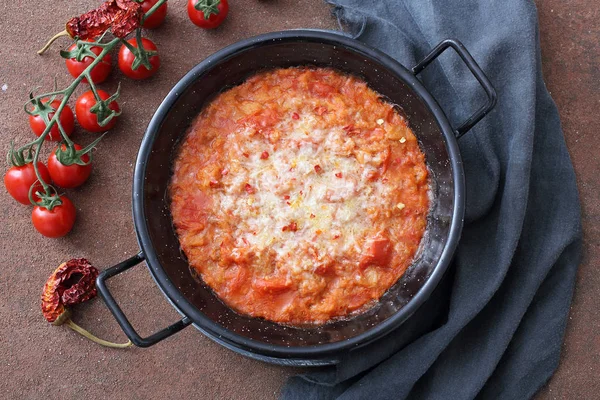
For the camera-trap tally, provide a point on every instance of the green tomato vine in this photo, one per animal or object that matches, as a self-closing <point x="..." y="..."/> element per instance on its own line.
<point x="39" y="105"/>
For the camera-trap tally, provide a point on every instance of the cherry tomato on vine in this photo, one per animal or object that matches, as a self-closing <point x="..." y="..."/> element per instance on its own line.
<point x="56" y="222"/>
<point x="157" y="17"/>
<point x="127" y="58"/>
<point x="37" y="124"/>
<point x="69" y="176"/>
<point x="89" y="120"/>
<point x="207" y="14"/>
<point x="18" y="181"/>
<point x="98" y="74"/>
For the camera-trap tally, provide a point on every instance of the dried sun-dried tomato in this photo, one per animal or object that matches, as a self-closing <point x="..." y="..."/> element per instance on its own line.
<point x="122" y="16"/>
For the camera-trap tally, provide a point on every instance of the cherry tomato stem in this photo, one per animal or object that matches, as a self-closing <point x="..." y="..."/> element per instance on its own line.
<point x="89" y="120"/>
<point x="131" y="64"/>
<point x="99" y="73"/>
<point x="66" y="119"/>
<point x="69" y="176"/>
<point x="158" y="16"/>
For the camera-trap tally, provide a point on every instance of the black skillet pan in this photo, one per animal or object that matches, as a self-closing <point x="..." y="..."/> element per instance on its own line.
<point x="196" y="303"/>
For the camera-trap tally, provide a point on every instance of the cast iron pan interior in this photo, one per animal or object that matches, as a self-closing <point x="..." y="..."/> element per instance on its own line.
<point x="233" y="69"/>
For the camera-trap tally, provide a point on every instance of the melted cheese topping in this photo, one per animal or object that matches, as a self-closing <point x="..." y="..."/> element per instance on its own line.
<point x="300" y="196"/>
<point x="297" y="183"/>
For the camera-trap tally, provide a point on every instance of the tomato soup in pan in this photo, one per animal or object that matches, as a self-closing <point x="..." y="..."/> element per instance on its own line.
<point x="300" y="196"/>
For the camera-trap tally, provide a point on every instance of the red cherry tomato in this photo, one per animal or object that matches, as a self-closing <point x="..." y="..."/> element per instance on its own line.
<point x="37" y="124"/>
<point x="18" y="181"/>
<point x="198" y="17"/>
<point x="157" y="17"/>
<point x="99" y="73"/>
<point x="89" y="120"/>
<point x="69" y="176"/>
<point x="56" y="222"/>
<point x="126" y="58"/>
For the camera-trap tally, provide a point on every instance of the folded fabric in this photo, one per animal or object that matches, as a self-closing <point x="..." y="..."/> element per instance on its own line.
<point x="494" y="327"/>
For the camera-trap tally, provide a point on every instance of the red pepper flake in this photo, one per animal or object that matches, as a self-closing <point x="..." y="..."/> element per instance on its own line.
<point x="350" y="130"/>
<point x="312" y="215"/>
<point x="336" y="236"/>
<point x="338" y="174"/>
<point x="214" y="184"/>
<point x="292" y="227"/>
<point x="372" y="176"/>
<point x="301" y="193"/>
<point x="318" y="169"/>
<point x="288" y="203"/>
<point x="246" y="155"/>
<point x="320" y="110"/>
<point x="286" y="197"/>
<point x="264" y="155"/>
<point x="295" y="116"/>
<point x="72" y="283"/>
<point x="249" y="189"/>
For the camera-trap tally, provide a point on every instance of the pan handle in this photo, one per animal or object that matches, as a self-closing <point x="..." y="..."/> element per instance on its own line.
<point x="120" y="316"/>
<point x="475" y="70"/>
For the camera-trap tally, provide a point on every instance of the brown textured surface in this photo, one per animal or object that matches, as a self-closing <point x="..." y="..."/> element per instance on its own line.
<point x="570" y="36"/>
<point x="38" y="360"/>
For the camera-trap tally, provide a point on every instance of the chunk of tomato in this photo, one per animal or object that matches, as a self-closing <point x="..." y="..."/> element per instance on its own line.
<point x="378" y="252"/>
<point x="320" y="89"/>
<point x="237" y="278"/>
<point x="274" y="285"/>
<point x="263" y="119"/>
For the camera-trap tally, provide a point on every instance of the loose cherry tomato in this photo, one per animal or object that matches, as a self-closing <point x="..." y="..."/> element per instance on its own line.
<point x="56" y="222"/>
<point x="37" y="124"/>
<point x="157" y="17"/>
<point x="69" y="176"/>
<point x="18" y="181"/>
<point x="207" y="14"/>
<point x="126" y="59"/>
<point x="89" y="120"/>
<point x="98" y="74"/>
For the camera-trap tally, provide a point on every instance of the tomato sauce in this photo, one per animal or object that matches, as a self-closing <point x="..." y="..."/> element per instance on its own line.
<point x="300" y="196"/>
